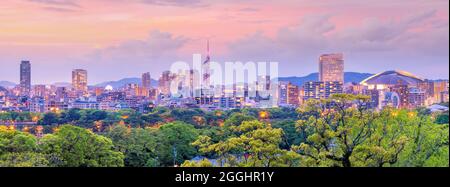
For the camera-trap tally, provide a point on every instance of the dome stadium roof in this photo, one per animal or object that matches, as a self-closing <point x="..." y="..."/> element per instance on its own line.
<point x="393" y="77"/>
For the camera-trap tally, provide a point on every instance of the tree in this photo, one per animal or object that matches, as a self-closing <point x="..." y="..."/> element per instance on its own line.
<point x="72" y="146"/>
<point x="88" y="117"/>
<point x="201" y="163"/>
<point x="174" y="143"/>
<point x="333" y="130"/>
<point x="256" y="146"/>
<point x="151" y="119"/>
<point x="283" y="113"/>
<point x="19" y="149"/>
<point x="71" y="115"/>
<point x="49" y="119"/>
<point x="13" y="141"/>
<point x="26" y="159"/>
<point x="290" y="135"/>
<point x="442" y="118"/>
<point x="138" y="146"/>
<point x="187" y="115"/>
<point x="428" y="145"/>
<point x="341" y="131"/>
<point x="236" y="119"/>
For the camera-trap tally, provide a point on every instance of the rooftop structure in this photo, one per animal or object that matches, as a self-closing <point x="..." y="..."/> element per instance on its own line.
<point x="392" y="78"/>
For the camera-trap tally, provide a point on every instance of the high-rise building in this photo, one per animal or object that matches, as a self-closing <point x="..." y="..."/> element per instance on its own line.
<point x="427" y="86"/>
<point x="146" y="84"/>
<point x="40" y="90"/>
<point x="164" y="82"/>
<point x="146" y="81"/>
<point x="322" y="90"/>
<point x="206" y="72"/>
<point x="331" y="68"/>
<point x="441" y="91"/>
<point x="25" y="78"/>
<point x="80" y="80"/>
<point x="293" y="95"/>
<point x="283" y="93"/>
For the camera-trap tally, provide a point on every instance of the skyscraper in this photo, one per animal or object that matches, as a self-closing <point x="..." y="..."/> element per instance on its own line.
<point x="331" y="68"/>
<point x="25" y="78"/>
<point x="79" y="80"/>
<point x="146" y="81"/>
<point x="164" y="82"/>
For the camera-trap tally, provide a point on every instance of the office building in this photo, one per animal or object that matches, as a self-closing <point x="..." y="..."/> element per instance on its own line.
<point x="146" y="81"/>
<point x="25" y="78"/>
<point x="283" y="93"/>
<point x="322" y="90"/>
<point x="293" y="95"/>
<point x="331" y="68"/>
<point x="80" y="80"/>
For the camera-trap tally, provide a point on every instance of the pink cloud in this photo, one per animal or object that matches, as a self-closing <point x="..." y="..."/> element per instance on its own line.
<point x="291" y="31"/>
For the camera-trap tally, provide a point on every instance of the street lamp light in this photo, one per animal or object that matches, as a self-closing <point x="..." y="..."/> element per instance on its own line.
<point x="263" y="114"/>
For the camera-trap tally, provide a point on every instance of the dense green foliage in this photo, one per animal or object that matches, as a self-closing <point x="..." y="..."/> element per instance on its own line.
<point x="72" y="146"/>
<point x="339" y="131"/>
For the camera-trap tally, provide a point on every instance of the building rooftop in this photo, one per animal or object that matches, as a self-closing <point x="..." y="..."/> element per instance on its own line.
<point x="436" y="107"/>
<point x="393" y="77"/>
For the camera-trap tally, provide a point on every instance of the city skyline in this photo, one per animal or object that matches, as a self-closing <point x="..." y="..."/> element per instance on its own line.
<point x="112" y="42"/>
<point x="153" y="80"/>
<point x="223" y="84"/>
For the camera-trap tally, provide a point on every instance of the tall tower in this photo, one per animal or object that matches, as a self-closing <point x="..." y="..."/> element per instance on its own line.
<point x="331" y="68"/>
<point x="164" y="82"/>
<point x="206" y="69"/>
<point x="146" y="81"/>
<point x="79" y="80"/>
<point x="25" y="78"/>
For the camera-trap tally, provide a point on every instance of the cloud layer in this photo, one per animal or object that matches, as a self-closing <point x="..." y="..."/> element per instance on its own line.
<point x="117" y="38"/>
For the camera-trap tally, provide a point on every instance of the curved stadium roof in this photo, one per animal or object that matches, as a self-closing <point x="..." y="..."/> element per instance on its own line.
<point x="393" y="77"/>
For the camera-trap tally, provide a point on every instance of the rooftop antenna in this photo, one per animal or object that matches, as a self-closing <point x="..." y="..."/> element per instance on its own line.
<point x="206" y="72"/>
<point x="208" y="57"/>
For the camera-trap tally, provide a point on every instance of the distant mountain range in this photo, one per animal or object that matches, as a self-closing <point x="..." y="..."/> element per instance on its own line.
<point x="123" y="82"/>
<point x="7" y="84"/>
<point x="348" y="77"/>
<point x="299" y="81"/>
<point x="62" y="84"/>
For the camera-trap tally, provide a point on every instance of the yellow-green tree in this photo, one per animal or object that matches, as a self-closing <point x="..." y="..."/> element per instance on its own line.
<point x="138" y="145"/>
<point x="201" y="163"/>
<point x="19" y="149"/>
<point x="72" y="146"/>
<point x="256" y="145"/>
<point x="342" y="131"/>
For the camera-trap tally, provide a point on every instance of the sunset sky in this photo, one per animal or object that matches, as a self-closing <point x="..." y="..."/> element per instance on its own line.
<point x="115" y="39"/>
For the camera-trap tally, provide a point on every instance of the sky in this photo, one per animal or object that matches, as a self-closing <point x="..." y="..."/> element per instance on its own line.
<point x="115" y="39"/>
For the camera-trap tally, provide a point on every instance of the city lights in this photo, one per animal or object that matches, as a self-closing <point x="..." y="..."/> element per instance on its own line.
<point x="212" y="84"/>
